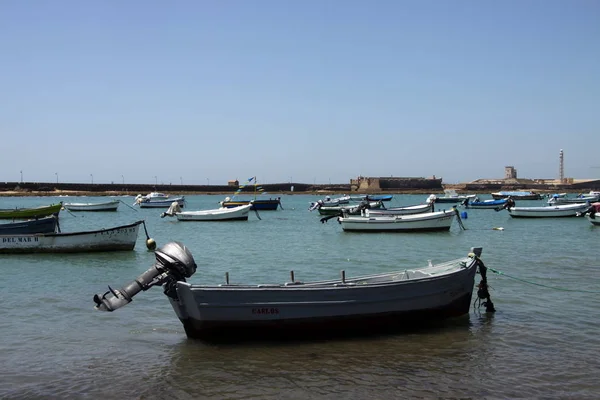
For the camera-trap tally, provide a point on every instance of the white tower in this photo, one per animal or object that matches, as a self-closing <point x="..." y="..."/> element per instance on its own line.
<point x="561" y="172"/>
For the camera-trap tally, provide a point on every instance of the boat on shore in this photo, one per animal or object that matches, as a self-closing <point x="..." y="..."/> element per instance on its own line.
<point x="30" y="212"/>
<point x="104" y="206"/>
<point x="40" y="225"/>
<point x="297" y="309"/>
<point x="119" y="238"/>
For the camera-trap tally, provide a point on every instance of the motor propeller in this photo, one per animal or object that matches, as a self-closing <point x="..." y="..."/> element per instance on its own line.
<point x="174" y="262"/>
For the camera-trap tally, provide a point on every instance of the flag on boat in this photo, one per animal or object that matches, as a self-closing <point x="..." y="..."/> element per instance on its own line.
<point x="250" y="179"/>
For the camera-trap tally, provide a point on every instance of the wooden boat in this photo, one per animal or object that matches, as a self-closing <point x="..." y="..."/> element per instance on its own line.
<point x="484" y="204"/>
<point x="30" y="213"/>
<point x="41" y="225"/>
<point x="257" y="204"/>
<point x="450" y="196"/>
<point x="433" y="221"/>
<point x="104" y="206"/>
<point x="406" y="210"/>
<point x="357" y="305"/>
<point x="329" y="202"/>
<point x="517" y="195"/>
<point x="239" y="213"/>
<point x="348" y="209"/>
<point x="372" y="197"/>
<point x="563" y="210"/>
<point x="158" y="200"/>
<point x="573" y="200"/>
<point x="110" y="239"/>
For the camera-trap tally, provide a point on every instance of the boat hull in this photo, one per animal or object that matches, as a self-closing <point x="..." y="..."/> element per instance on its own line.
<point x="107" y="206"/>
<point x="222" y="214"/>
<point x="264" y="205"/>
<point x="517" y="195"/>
<point x="408" y="210"/>
<point x="567" y="210"/>
<point x="434" y="221"/>
<point x="119" y="238"/>
<point x="164" y="203"/>
<point x="42" y="225"/>
<point x="295" y="310"/>
<point x="486" y="204"/>
<point x="31" y="213"/>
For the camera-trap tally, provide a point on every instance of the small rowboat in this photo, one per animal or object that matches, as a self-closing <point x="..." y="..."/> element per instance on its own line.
<point x="563" y="210"/>
<point x="348" y="305"/>
<point x="41" y="225"/>
<point x="434" y="221"/>
<point x="239" y="213"/>
<point x="118" y="238"/>
<point x="28" y="213"/>
<point x="106" y="206"/>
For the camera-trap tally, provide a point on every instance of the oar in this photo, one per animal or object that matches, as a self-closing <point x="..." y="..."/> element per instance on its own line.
<point x="128" y="205"/>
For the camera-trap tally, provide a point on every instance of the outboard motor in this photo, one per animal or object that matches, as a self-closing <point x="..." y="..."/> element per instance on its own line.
<point x="174" y="262"/>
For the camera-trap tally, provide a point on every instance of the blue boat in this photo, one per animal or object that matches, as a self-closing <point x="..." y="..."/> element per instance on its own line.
<point x="476" y="203"/>
<point x="379" y="197"/>
<point x="41" y="225"/>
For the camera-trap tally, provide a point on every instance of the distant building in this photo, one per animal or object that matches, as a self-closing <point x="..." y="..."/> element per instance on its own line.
<point x="510" y="172"/>
<point x="234" y="183"/>
<point x="377" y="184"/>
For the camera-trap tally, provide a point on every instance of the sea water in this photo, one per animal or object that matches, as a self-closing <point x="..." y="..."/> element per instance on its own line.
<point x="542" y="342"/>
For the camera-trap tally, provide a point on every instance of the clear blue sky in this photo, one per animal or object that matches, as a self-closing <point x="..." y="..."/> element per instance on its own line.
<point x="311" y="90"/>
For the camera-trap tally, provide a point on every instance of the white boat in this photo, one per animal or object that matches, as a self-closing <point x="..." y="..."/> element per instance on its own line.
<point x="563" y="210"/>
<point x="573" y="200"/>
<point x="239" y="213"/>
<point x="105" y="206"/>
<point x="363" y="304"/>
<point x="406" y="210"/>
<point x="110" y="239"/>
<point x="158" y="200"/>
<point x="450" y="196"/>
<point x="433" y="221"/>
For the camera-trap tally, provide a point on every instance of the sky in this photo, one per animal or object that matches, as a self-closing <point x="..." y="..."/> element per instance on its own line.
<point x="310" y="91"/>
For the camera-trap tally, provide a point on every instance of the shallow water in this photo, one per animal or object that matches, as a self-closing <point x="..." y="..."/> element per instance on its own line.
<point x="541" y="342"/>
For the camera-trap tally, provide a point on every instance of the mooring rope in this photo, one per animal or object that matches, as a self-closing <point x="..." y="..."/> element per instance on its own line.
<point x="541" y="284"/>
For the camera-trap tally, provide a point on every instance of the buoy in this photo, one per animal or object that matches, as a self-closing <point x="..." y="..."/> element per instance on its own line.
<point x="464" y="215"/>
<point x="498" y="229"/>
<point x="151" y="244"/>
